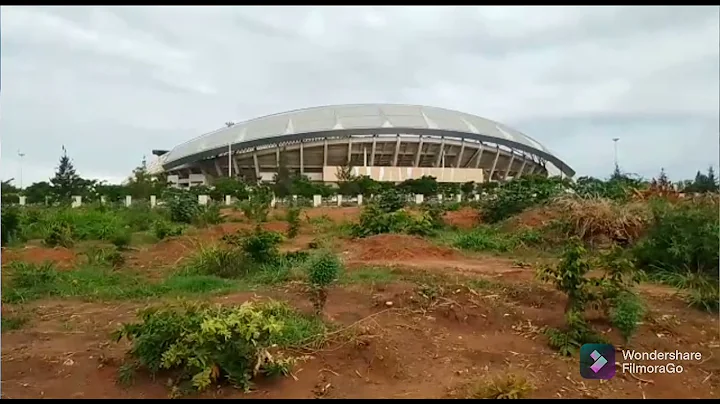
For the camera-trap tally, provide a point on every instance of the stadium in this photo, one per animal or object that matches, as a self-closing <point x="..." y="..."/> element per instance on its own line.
<point x="388" y="142"/>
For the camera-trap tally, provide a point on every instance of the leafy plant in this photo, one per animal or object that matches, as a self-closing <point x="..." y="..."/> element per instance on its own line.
<point x="183" y="206"/>
<point x="219" y="261"/>
<point x="323" y="269"/>
<point x="163" y="229"/>
<point x="10" y="225"/>
<point x="611" y="292"/>
<point x="258" y="206"/>
<point x="518" y="194"/>
<point x="293" y="219"/>
<point x="390" y="200"/>
<point x="208" y="215"/>
<point x="262" y="245"/>
<point x="209" y="344"/>
<point x="104" y="257"/>
<point x="58" y="234"/>
<point x="121" y="239"/>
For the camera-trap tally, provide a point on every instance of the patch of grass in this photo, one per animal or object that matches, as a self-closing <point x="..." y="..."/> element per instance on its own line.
<point x="508" y="386"/>
<point x="32" y="281"/>
<point x="701" y="291"/>
<point x="372" y="275"/>
<point x="10" y="323"/>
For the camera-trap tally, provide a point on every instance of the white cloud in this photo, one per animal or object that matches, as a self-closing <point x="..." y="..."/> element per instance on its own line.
<point x="112" y="83"/>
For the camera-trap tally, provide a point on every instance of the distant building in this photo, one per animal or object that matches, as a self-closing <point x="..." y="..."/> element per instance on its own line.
<point x="387" y="142"/>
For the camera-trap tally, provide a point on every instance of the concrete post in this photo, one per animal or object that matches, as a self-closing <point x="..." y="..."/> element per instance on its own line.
<point x="153" y="201"/>
<point x="295" y="199"/>
<point x="128" y="200"/>
<point x="22" y="200"/>
<point x="360" y="200"/>
<point x="458" y="198"/>
<point x="317" y="200"/>
<point x="477" y="197"/>
<point x="419" y="198"/>
<point x="273" y="202"/>
<point x="228" y="200"/>
<point x="77" y="201"/>
<point x="339" y="200"/>
<point x="440" y="197"/>
<point x="203" y="199"/>
<point x="103" y="199"/>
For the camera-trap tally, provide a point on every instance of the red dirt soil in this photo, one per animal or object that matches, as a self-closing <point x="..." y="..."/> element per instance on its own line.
<point x="533" y="218"/>
<point x="61" y="257"/>
<point x="416" y="349"/>
<point x="394" y="247"/>
<point x="465" y="218"/>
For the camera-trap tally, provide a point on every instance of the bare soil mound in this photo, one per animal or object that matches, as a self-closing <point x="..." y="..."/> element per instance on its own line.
<point x="394" y="247"/>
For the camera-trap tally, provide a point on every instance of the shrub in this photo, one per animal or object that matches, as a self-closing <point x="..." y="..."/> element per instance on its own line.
<point x="293" y="219"/>
<point x="323" y="270"/>
<point x="390" y="200"/>
<point x="104" y="257"/>
<point x="209" y="344"/>
<point x="121" y="239"/>
<point x="603" y="220"/>
<point x="219" y="261"/>
<point x="258" y="206"/>
<point x="681" y="238"/>
<point x="183" y="206"/>
<point x="483" y="238"/>
<point x="262" y="245"/>
<point x="612" y="293"/>
<point x="58" y="234"/>
<point x="518" y="194"/>
<point x="208" y="215"/>
<point x="162" y="229"/>
<point x="10" y="224"/>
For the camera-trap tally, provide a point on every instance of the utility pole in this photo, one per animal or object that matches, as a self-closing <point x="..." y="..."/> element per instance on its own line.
<point x="615" y="140"/>
<point x="21" y="155"/>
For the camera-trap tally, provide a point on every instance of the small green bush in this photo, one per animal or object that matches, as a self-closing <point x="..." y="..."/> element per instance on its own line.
<point x="210" y="344"/>
<point x="262" y="245"/>
<point x="293" y="219"/>
<point x="163" y="229"/>
<point x="10" y="224"/>
<point x="208" y="215"/>
<point x="323" y="269"/>
<point x="183" y="206"/>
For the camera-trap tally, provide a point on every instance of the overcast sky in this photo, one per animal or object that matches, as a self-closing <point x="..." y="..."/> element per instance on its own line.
<point x="111" y="84"/>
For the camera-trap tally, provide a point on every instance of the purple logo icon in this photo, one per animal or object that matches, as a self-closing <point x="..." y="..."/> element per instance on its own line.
<point x="597" y="361"/>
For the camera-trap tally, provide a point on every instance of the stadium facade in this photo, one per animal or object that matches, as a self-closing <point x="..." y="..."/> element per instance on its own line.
<point x="388" y="142"/>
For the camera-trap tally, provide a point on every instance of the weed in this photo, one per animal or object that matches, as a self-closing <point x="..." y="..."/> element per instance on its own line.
<point x="323" y="269"/>
<point x="163" y="229"/>
<point x="10" y="226"/>
<point x="483" y="238"/>
<point x="219" y="261"/>
<point x="104" y="257"/>
<point x="121" y="239"/>
<point x="208" y="215"/>
<point x="10" y="323"/>
<point x="183" y="206"/>
<point x="509" y="386"/>
<point x="262" y="245"/>
<point x="293" y="219"/>
<point x="207" y="344"/>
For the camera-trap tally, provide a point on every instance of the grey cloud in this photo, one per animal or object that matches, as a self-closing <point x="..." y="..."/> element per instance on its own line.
<point x="114" y="82"/>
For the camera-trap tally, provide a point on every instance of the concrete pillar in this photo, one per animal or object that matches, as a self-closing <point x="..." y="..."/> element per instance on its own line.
<point x="153" y="201"/>
<point x="228" y="200"/>
<point x="202" y="199"/>
<point x="294" y="199"/>
<point x="440" y="197"/>
<point x="273" y="202"/>
<point x="360" y="200"/>
<point x="103" y="199"/>
<point x="317" y="200"/>
<point x="477" y="197"/>
<point x="128" y="200"/>
<point x="419" y="198"/>
<point x="22" y="200"/>
<point x="339" y="200"/>
<point x="77" y="201"/>
<point x="458" y="197"/>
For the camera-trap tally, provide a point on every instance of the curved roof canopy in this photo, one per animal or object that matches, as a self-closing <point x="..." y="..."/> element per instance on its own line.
<point x="357" y="119"/>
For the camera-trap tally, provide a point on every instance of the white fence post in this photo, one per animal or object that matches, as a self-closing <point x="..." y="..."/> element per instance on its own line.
<point x="103" y="199"/>
<point x="77" y="201"/>
<point x="317" y="200"/>
<point x="128" y="200"/>
<point x="440" y="197"/>
<point x="228" y="200"/>
<point x="339" y="200"/>
<point x="273" y="202"/>
<point x="294" y="199"/>
<point x="477" y="197"/>
<point x="360" y="201"/>
<point x="22" y="200"/>
<point x="419" y="198"/>
<point x="203" y="199"/>
<point x="458" y="198"/>
<point x="153" y="201"/>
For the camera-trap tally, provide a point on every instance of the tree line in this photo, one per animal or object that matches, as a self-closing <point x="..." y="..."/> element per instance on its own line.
<point x="66" y="183"/>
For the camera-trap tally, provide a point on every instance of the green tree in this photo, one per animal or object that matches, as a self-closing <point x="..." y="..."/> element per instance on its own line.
<point x="66" y="181"/>
<point x="282" y="186"/>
